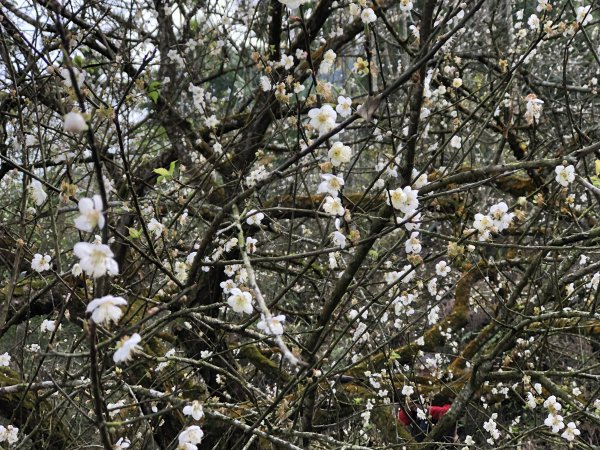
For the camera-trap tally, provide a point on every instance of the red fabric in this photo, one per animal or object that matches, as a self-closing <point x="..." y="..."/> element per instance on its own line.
<point x="437" y="412"/>
<point x="403" y="417"/>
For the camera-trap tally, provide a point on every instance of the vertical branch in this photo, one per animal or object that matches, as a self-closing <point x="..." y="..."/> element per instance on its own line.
<point x="262" y="304"/>
<point x="99" y="404"/>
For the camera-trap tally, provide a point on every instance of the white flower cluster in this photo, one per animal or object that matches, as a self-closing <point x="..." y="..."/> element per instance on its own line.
<point x="198" y="97"/>
<point x="327" y="62"/>
<point x="554" y="419"/>
<point x="256" y="175"/>
<point x="403" y="305"/>
<point x="492" y="428"/>
<point x="9" y="434"/>
<point x="190" y="437"/>
<point x="4" y="360"/>
<point x="405" y="275"/>
<point x="404" y="199"/>
<point x="533" y="108"/>
<point x="497" y="220"/>
<point x="584" y="15"/>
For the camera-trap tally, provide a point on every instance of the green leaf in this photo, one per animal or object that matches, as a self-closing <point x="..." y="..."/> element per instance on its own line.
<point x="153" y="90"/>
<point x="78" y="61"/>
<point x="134" y="234"/>
<point x="153" y="96"/>
<point x="595" y="181"/>
<point x="172" y="168"/>
<point x="162" y="172"/>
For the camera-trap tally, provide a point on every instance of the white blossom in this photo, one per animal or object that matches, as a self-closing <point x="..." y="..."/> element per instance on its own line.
<point x="126" y="348"/>
<point x="339" y="154"/>
<point x="154" y="226"/>
<point x="322" y="119"/>
<point x="501" y="218"/>
<point x="191" y="435"/>
<point x="106" y="309"/>
<point x="406" y="5"/>
<point x="368" y="16"/>
<point x="333" y="206"/>
<point x="195" y="410"/>
<point x="96" y="259"/>
<point x="122" y="444"/>
<point x="584" y="15"/>
<point x="274" y="325"/>
<point x="287" y="61"/>
<point x="4" y="359"/>
<point x="331" y="184"/>
<point x="456" y="142"/>
<point x="327" y="62"/>
<point x="76" y="270"/>
<point x="565" y="175"/>
<point x="344" y="106"/>
<point x="419" y="180"/>
<point x="491" y="427"/>
<point x="40" y="263"/>
<point x="408" y="390"/>
<point x="265" y="83"/>
<point x="254" y="217"/>
<point x="48" y="326"/>
<point x="533" y="108"/>
<point x="554" y="421"/>
<point x="338" y="239"/>
<point x="90" y="214"/>
<point x="74" y="122"/>
<point x="531" y="402"/>
<point x="413" y="244"/>
<point x="9" y="434"/>
<point x="227" y="285"/>
<point x="240" y="301"/>
<point x="251" y="245"/>
<point x="533" y="22"/>
<point x="571" y="432"/>
<point x="404" y="199"/>
<point x="37" y="192"/>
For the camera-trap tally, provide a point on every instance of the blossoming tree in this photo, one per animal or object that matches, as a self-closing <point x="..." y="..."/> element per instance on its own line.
<point x="299" y="224"/>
